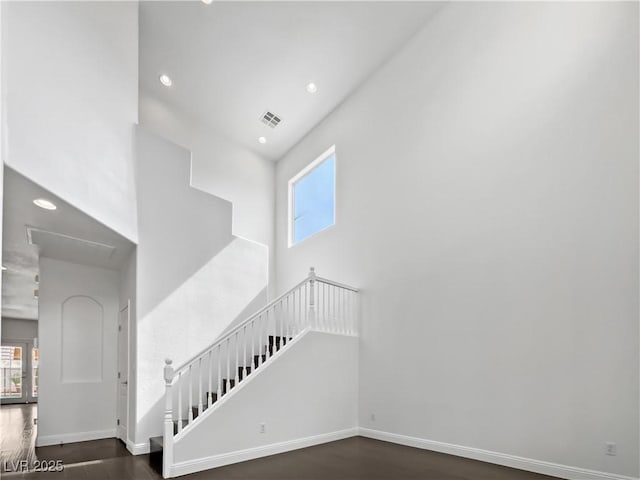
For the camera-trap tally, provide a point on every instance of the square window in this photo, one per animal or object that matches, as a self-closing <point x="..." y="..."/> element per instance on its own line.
<point x="312" y="198"/>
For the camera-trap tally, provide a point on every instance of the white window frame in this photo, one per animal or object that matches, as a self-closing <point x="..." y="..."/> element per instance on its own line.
<point x="300" y="175"/>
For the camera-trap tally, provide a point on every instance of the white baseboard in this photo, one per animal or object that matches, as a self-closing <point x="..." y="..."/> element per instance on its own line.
<point x="45" y="440"/>
<point x="522" y="463"/>
<point x="137" y="448"/>
<point x="192" y="466"/>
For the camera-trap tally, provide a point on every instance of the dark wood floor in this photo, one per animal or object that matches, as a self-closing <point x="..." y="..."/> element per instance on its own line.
<point x="355" y="458"/>
<point x="18" y="434"/>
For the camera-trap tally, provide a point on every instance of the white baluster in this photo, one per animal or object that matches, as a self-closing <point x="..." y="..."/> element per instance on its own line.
<point x="339" y="318"/>
<point x="290" y="314"/>
<point x="347" y="315"/>
<point x="320" y="292"/>
<point x="200" y="386"/>
<point x="336" y="316"/>
<point x="311" y="318"/>
<point x="354" y="326"/>
<point x="237" y="376"/>
<point x="327" y="311"/>
<point x="286" y="319"/>
<point x="190" y="412"/>
<point x="282" y="317"/>
<point x="337" y="307"/>
<point x="329" y="318"/>
<point x="347" y="294"/>
<point x="332" y="308"/>
<point x="244" y="357"/>
<point x="179" y="402"/>
<point x="345" y="308"/>
<point x="320" y="300"/>
<point x="343" y="320"/>
<point x="305" y="304"/>
<point x="210" y="392"/>
<point x="301" y="313"/>
<point x="265" y="326"/>
<point x="228" y="352"/>
<point x="298" y="313"/>
<point x="325" y="302"/>
<point x="271" y="330"/>
<point x="219" y="371"/>
<point x="253" y="344"/>
<point x="276" y="317"/>
<point x="275" y="326"/>
<point x="260" y="342"/>
<point x="167" y="456"/>
<point x="287" y="327"/>
<point x="356" y="311"/>
<point x="354" y="314"/>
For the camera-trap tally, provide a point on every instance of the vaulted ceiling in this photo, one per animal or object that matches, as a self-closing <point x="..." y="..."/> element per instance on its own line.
<point x="232" y="61"/>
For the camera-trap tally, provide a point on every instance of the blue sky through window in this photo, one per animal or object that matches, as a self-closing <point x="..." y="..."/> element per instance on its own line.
<point x="314" y="200"/>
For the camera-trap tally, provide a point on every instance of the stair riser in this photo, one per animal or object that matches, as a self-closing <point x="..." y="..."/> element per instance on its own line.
<point x="244" y="372"/>
<point x="227" y="384"/>
<point x="256" y="360"/>
<point x="278" y="340"/>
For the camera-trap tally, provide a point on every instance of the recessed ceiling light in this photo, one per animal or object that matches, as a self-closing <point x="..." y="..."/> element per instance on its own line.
<point x="3" y="268"/>
<point x="207" y="2"/>
<point x="166" y="80"/>
<point x="46" y="204"/>
<point x="262" y="140"/>
<point x="312" y="87"/>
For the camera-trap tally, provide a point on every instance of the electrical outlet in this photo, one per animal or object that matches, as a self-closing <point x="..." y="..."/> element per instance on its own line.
<point x="263" y="428"/>
<point x="373" y="417"/>
<point x="610" y="448"/>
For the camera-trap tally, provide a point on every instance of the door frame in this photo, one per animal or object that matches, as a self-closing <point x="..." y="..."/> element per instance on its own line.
<point x="27" y="387"/>
<point x="124" y="435"/>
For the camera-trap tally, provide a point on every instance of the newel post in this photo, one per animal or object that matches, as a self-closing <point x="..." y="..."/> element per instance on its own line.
<point x="312" y="297"/>
<point x="167" y="453"/>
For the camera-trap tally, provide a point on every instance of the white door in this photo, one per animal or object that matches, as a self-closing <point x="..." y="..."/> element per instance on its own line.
<point x="123" y="373"/>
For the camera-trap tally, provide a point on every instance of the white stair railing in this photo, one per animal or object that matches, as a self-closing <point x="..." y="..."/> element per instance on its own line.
<point x="313" y="304"/>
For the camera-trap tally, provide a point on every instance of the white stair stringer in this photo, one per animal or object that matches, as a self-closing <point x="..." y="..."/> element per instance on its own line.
<point x="315" y="397"/>
<point x="305" y="396"/>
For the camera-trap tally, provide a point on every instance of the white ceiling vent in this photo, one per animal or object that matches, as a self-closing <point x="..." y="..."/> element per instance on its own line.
<point x="70" y="249"/>
<point x="270" y="119"/>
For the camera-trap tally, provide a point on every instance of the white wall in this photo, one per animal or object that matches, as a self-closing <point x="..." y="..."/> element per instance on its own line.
<point x="77" y="396"/>
<point x="303" y="397"/>
<point x="222" y="168"/>
<point x="194" y="278"/>
<point x="19" y="329"/>
<point x="71" y="81"/>
<point x="487" y="204"/>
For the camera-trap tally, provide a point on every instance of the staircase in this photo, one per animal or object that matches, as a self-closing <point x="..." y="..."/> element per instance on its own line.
<point x="211" y="378"/>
